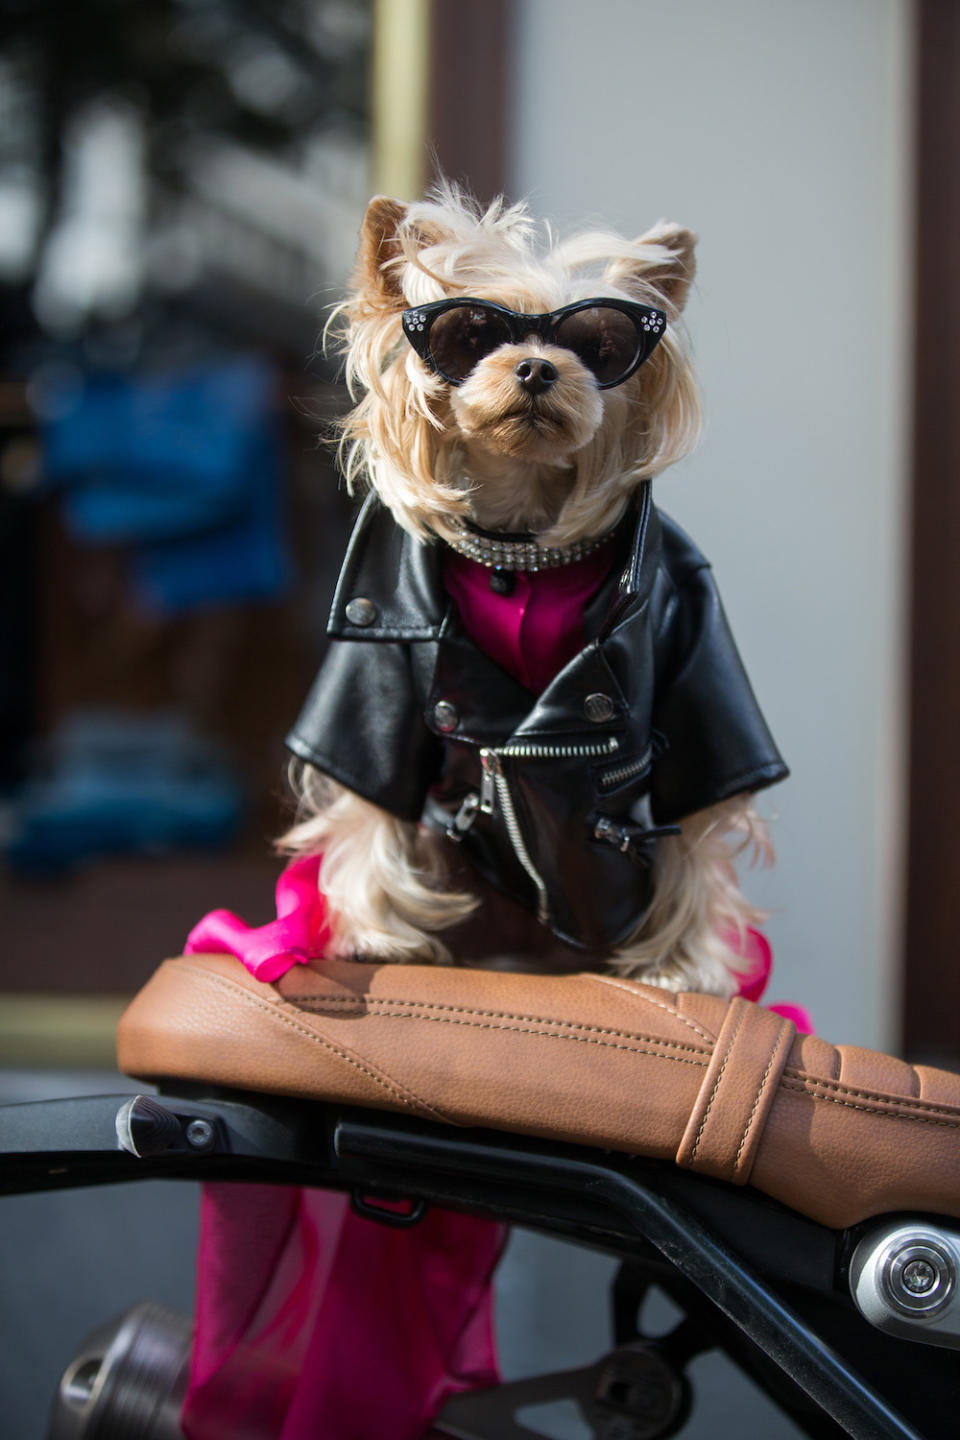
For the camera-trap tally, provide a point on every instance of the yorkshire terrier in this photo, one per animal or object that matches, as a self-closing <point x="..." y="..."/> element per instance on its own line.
<point x="533" y="736"/>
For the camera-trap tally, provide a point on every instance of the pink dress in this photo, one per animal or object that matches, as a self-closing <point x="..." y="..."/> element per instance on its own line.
<point x="311" y="1322"/>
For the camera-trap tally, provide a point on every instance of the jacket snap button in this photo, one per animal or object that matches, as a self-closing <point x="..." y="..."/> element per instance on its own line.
<point x="598" y="708"/>
<point x="446" y="717"/>
<point x="361" y="611"/>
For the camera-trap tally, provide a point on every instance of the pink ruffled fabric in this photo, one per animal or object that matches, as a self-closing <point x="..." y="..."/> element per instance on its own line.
<point x="757" y="951"/>
<point x="315" y="1324"/>
<point x="299" y="933"/>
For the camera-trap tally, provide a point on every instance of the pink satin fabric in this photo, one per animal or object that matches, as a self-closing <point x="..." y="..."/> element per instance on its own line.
<point x="299" y="933"/>
<point x="756" y="950"/>
<point x="315" y="1324"/>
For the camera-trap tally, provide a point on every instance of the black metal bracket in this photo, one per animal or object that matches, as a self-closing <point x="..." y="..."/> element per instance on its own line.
<point x="380" y="1209"/>
<point x="761" y="1279"/>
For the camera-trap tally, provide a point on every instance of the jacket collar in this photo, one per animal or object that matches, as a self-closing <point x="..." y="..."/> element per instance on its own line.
<point x="391" y="588"/>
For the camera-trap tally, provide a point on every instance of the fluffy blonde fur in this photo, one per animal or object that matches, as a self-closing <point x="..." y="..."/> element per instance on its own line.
<point x="565" y="469"/>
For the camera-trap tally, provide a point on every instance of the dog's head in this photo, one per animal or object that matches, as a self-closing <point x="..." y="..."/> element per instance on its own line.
<point x="527" y="409"/>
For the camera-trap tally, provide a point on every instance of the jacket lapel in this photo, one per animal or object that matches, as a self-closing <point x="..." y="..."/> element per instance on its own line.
<point x="398" y="583"/>
<point x="389" y="581"/>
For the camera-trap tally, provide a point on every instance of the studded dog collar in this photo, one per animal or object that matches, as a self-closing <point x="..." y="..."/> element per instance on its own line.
<point x="499" y="551"/>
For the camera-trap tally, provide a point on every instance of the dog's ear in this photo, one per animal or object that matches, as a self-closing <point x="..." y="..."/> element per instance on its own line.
<point x="664" y="261"/>
<point x="377" y="274"/>
<point x="374" y="273"/>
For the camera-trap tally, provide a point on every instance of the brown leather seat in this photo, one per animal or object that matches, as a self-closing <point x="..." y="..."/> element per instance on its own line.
<point x="836" y="1132"/>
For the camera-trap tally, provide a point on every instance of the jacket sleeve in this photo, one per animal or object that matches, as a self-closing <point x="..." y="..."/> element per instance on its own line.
<point x="363" y="725"/>
<point x="716" y="740"/>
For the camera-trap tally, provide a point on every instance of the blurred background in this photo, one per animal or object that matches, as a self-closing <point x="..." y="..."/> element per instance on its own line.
<point x="180" y="186"/>
<point x="181" y="183"/>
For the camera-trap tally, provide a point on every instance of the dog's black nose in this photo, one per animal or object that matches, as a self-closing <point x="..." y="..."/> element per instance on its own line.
<point x="535" y="375"/>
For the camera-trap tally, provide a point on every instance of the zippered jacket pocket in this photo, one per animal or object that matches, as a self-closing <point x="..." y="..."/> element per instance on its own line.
<point x="624" y="771"/>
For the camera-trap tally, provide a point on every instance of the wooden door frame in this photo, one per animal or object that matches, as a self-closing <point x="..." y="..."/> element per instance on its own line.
<point x="931" y="972"/>
<point x="440" y="95"/>
<point x="469" y="96"/>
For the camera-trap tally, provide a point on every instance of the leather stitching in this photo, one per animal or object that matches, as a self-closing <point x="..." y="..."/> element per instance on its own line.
<point x="648" y="1000"/>
<point x="806" y="1080"/>
<point x="547" y="1035"/>
<point x="716" y="1085"/>
<point x="763" y="1085"/>
<point x="376" y="1001"/>
<point x="280" y="1012"/>
<point x="874" y="1110"/>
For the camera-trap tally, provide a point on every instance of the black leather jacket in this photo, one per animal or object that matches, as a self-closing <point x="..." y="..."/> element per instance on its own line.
<point x="558" y="800"/>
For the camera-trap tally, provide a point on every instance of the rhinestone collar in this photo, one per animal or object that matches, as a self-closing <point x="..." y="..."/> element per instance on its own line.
<point x="498" y="551"/>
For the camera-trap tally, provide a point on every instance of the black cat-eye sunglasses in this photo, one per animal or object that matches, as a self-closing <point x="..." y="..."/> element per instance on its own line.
<point x="612" y="338"/>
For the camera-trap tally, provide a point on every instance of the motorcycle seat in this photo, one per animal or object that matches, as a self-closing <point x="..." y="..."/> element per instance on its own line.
<point x="836" y="1132"/>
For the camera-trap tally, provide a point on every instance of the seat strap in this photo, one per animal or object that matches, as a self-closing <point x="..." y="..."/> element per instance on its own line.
<point x="731" y="1109"/>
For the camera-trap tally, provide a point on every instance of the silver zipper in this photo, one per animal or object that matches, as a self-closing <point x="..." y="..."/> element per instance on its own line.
<point x="606" y="829"/>
<point x="494" y="789"/>
<point x="464" y="818"/>
<point x="488" y="786"/>
<point x="495" y="779"/>
<point x="535" y="751"/>
<point x="486" y="802"/>
<point x="628" y="770"/>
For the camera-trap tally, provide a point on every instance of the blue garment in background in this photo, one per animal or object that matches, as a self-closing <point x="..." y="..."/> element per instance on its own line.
<point x="186" y="470"/>
<point x="122" y="783"/>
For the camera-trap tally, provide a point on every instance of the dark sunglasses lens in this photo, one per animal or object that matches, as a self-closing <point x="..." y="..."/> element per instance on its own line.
<point x="461" y="337"/>
<point x="606" y="340"/>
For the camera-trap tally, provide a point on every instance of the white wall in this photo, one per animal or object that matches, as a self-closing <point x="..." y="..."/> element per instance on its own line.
<point x="779" y="131"/>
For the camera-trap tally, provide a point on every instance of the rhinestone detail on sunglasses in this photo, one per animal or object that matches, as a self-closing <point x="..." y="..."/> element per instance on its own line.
<point x="603" y="344"/>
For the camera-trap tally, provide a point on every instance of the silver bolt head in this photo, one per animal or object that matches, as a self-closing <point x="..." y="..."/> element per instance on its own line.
<point x="199" y="1134"/>
<point x="919" y="1277"/>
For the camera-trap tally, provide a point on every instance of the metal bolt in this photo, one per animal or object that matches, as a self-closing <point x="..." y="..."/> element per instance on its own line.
<point x="199" y="1134"/>
<point x="919" y="1277"/>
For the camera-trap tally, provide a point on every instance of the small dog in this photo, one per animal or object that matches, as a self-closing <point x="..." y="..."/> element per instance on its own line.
<point x="532" y="706"/>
